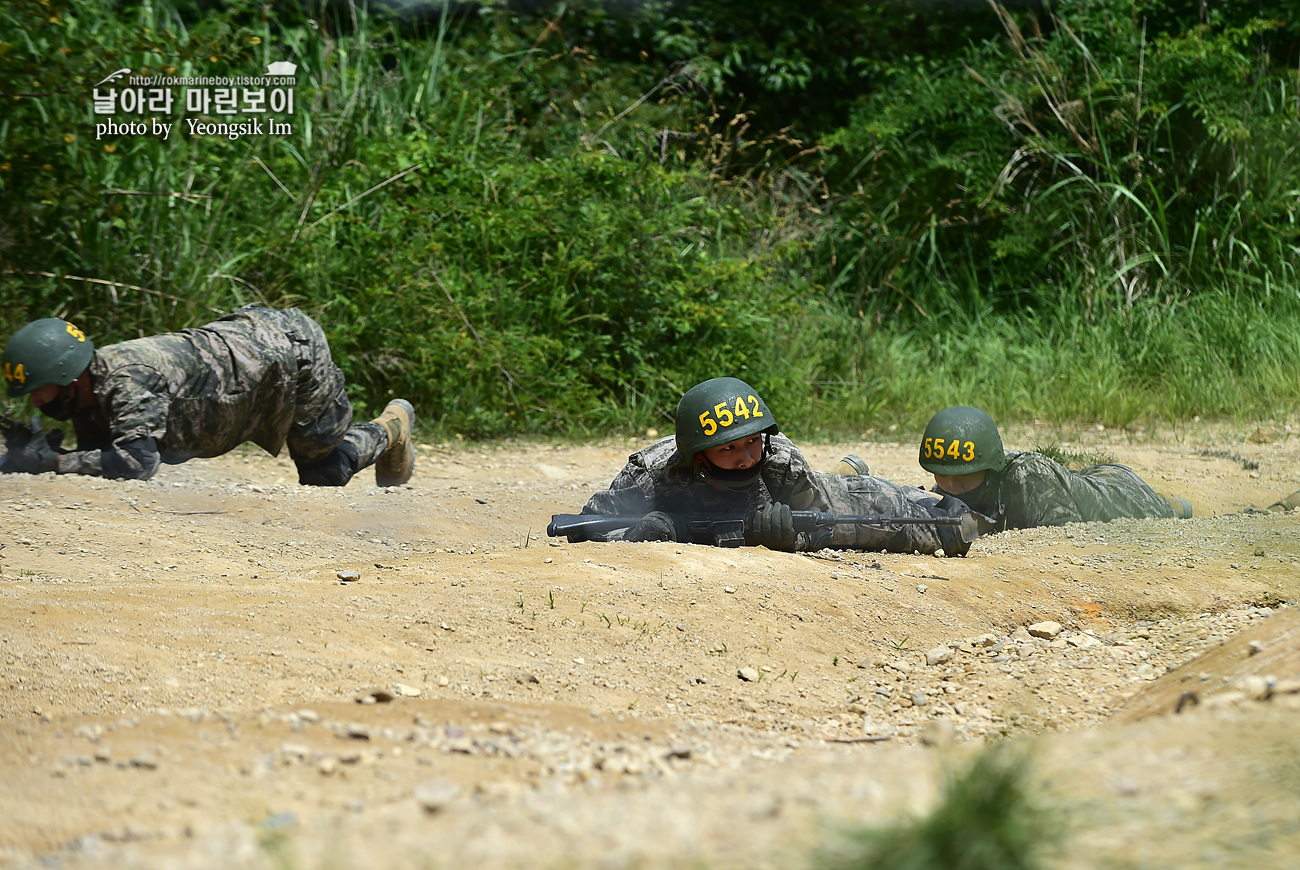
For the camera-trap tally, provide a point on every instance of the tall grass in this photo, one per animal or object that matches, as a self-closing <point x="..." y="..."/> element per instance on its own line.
<point x="522" y="235"/>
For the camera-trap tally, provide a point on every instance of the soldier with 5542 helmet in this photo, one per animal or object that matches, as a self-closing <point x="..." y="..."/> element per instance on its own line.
<point x="257" y="375"/>
<point x="727" y="457"/>
<point x="961" y="447"/>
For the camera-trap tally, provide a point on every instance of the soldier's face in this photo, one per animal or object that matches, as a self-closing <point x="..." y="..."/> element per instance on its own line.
<point x="956" y="485"/>
<point x="44" y="395"/>
<point x="736" y="455"/>
<point x="55" y="401"/>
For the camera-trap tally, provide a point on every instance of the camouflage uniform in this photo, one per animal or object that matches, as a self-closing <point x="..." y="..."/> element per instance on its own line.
<point x="655" y="480"/>
<point x="255" y="375"/>
<point x="862" y="495"/>
<point x="1033" y="490"/>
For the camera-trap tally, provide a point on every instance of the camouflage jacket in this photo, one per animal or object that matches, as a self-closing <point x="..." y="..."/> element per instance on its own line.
<point x="1033" y="490"/>
<point x="655" y="480"/>
<point x="862" y="495"/>
<point x="198" y="392"/>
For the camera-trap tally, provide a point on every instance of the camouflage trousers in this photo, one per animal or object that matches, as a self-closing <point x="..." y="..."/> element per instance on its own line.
<point x="324" y="443"/>
<point x="863" y="495"/>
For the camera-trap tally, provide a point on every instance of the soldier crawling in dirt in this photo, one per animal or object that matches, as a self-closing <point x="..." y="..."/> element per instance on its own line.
<point x="257" y="375"/>
<point x="728" y="457"/>
<point x="961" y="447"/>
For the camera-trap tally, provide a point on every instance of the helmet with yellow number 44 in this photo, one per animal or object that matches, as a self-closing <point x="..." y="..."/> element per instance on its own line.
<point x="47" y="351"/>
<point x="719" y="411"/>
<point x="961" y="440"/>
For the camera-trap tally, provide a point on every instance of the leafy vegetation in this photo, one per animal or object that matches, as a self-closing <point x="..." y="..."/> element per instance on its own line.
<point x="558" y="220"/>
<point x="986" y="819"/>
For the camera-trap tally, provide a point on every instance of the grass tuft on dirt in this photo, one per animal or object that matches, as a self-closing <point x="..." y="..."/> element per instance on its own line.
<point x="987" y="819"/>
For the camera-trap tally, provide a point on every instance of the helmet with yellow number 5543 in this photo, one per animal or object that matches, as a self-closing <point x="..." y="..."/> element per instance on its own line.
<point x="961" y="440"/>
<point x="719" y="411"/>
<point x="47" y="351"/>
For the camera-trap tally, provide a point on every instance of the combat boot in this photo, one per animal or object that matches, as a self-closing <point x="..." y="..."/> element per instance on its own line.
<point x="1282" y="505"/>
<point x="394" y="465"/>
<point x="851" y="465"/>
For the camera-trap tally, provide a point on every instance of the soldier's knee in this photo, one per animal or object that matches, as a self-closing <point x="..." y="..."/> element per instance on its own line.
<point x="334" y="470"/>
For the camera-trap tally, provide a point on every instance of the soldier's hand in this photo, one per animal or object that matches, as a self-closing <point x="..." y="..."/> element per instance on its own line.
<point x="31" y="454"/>
<point x="654" y="526"/>
<point x="771" y="526"/>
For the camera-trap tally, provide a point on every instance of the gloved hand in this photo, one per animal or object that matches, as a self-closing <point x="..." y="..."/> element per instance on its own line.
<point x="654" y="526"/>
<point x="771" y="526"/>
<point x="956" y="540"/>
<point x="30" y="453"/>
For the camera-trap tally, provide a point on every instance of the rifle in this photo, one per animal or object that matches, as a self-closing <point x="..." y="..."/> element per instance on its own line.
<point x="708" y="529"/>
<point x="10" y="425"/>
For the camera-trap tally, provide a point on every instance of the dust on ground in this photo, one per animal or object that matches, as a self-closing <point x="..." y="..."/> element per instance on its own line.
<point x="188" y="683"/>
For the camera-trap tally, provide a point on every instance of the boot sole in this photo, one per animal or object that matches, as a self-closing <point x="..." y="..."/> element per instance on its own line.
<point x="395" y="473"/>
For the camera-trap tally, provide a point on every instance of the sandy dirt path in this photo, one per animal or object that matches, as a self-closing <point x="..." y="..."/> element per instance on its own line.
<point x="188" y="683"/>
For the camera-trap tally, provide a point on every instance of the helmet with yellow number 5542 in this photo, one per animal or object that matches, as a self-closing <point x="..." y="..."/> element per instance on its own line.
<point x="719" y="411"/>
<point x="47" y="351"/>
<point x="961" y="440"/>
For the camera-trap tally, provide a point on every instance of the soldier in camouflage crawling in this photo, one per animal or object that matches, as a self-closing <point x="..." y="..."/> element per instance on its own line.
<point x="257" y="375"/>
<point x="1019" y="490"/>
<point x="728" y="457"/>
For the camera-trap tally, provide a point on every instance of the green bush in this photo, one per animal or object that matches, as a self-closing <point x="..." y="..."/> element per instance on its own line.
<point x="986" y="819"/>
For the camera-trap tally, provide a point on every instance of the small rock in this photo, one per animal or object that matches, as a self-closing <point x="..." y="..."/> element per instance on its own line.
<point x="145" y="762"/>
<point x="1262" y="435"/>
<point x="348" y="576"/>
<point x="525" y="677"/>
<point x="920" y="588"/>
<point x="328" y="766"/>
<point x="749" y="675"/>
<point x="984" y="640"/>
<point x="436" y="795"/>
<point x="481" y="500"/>
<point x="1082" y="641"/>
<point x="1256" y="647"/>
<point x="443" y="682"/>
<point x="357" y="731"/>
<point x="405" y="691"/>
<point x="919" y="699"/>
<point x="375" y="696"/>
<point x="1255" y="687"/>
<point x="730" y="590"/>
<point x="940" y="655"/>
<point x="1047" y="630"/>
<point x="1259" y="551"/>
<point x="279" y="821"/>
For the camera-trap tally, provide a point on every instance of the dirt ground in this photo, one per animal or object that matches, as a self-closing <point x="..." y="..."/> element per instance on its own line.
<point x="189" y="683"/>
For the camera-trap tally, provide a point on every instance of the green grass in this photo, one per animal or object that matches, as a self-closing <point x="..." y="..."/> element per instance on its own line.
<point x="492" y="226"/>
<point x="986" y="819"/>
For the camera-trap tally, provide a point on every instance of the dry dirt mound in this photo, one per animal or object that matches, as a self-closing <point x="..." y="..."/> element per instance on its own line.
<point x="191" y="684"/>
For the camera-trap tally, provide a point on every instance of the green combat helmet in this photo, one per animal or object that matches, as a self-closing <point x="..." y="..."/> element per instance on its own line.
<point x="48" y="351"/>
<point x="961" y="440"/>
<point x="716" y="412"/>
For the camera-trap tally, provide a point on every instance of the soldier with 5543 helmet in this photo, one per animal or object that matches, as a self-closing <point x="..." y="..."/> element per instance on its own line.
<point x="727" y="458"/>
<point x="257" y="375"/>
<point x="961" y="447"/>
